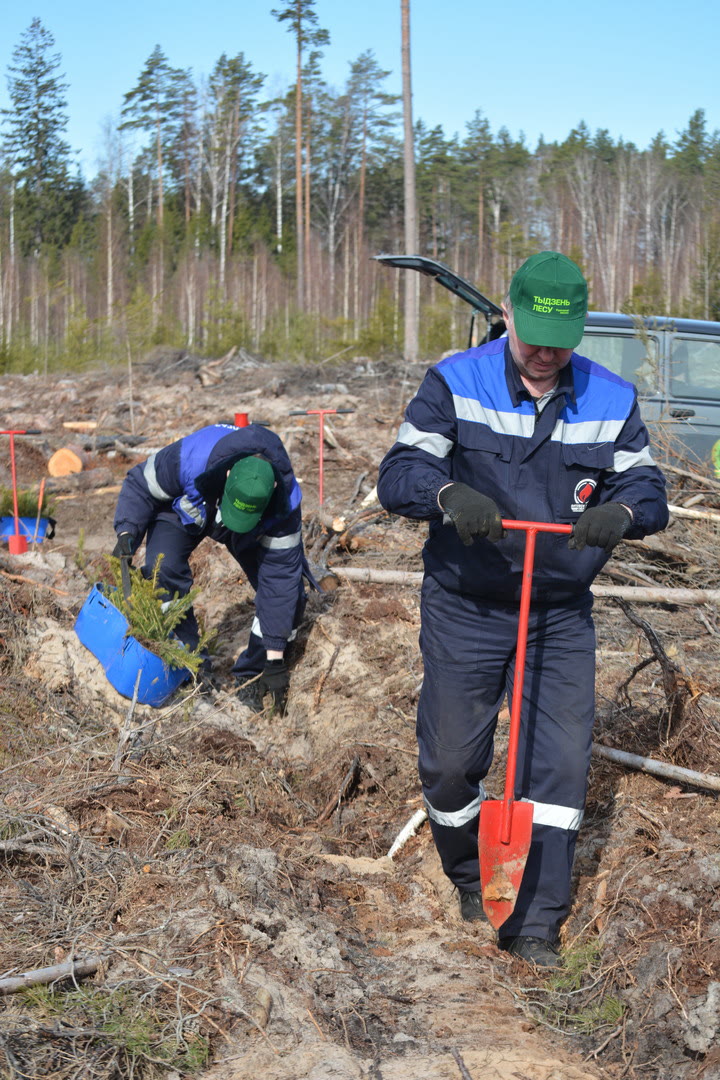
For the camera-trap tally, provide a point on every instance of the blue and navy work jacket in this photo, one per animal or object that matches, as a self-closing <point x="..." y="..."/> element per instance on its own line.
<point x="188" y="478"/>
<point x="473" y="421"/>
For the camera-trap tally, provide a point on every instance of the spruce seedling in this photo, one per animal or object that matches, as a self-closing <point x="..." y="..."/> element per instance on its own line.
<point x="27" y="503"/>
<point x="152" y="617"/>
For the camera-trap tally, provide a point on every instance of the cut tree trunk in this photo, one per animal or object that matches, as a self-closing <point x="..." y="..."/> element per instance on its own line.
<point x="66" y="461"/>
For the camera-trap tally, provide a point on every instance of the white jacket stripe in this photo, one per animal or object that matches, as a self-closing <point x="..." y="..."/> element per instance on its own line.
<point x="590" y="432"/>
<point x="504" y="423"/>
<point x="152" y="481"/>
<point x="429" y="441"/>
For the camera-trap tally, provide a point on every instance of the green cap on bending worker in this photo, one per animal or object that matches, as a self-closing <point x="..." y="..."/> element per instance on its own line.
<point x="549" y="298"/>
<point x="248" y="490"/>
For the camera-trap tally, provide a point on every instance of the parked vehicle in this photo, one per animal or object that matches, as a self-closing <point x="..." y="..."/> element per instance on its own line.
<point x="675" y="363"/>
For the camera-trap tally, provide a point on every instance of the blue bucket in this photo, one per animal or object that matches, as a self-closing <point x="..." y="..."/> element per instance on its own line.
<point x="103" y="630"/>
<point x="26" y="528"/>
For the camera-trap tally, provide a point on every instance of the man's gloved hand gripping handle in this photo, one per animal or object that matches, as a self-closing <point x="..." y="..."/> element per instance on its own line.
<point x="475" y="516"/>
<point x="125" y="546"/>
<point x="601" y="526"/>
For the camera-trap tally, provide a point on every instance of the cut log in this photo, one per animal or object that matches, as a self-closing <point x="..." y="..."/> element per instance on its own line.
<point x="66" y="461"/>
<point x="624" y="592"/>
<point x="658" y="768"/>
<point x="80" y="425"/>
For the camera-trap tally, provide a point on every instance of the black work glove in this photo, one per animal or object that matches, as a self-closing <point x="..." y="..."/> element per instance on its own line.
<point x="600" y="526"/>
<point x="125" y="546"/>
<point x="474" y="515"/>
<point x="275" y="680"/>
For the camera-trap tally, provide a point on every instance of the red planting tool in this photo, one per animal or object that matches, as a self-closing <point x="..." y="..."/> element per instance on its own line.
<point x="322" y="413"/>
<point x="17" y="544"/>
<point x="506" y="827"/>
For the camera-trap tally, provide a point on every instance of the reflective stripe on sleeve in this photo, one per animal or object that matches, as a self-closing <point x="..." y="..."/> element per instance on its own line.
<point x="625" y="460"/>
<point x="188" y="507"/>
<point x="152" y="481"/>
<point x="280" y="543"/>
<point x="559" y="817"/>
<point x="429" y="441"/>
<point x="456" y="818"/>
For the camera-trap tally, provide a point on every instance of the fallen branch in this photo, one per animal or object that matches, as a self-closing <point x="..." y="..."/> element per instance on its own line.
<point x="37" y="584"/>
<point x="658" y="768"/>
<point x="623" y="592"/>
<point x="408" y="830"/>
<point x="334" y="803"/>
<point x="679" y="689"/>
<point x="701" y="479"/>
<point x="70" y="969"/>
<point x="698" y="515"/>
<point x="129" y="737"/>
<point x="323" y="678"/>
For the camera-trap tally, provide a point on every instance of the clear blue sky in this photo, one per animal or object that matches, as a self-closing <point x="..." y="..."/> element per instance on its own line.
<point x="631" y="66"/>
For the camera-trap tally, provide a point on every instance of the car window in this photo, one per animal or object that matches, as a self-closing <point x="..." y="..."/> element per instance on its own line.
<point x="695" y="368"/>
<point x="630" y="357"/>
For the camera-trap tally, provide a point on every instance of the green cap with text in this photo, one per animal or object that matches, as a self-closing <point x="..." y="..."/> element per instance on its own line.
<point x="549" y="297"/>
<point x="248" y="489"/>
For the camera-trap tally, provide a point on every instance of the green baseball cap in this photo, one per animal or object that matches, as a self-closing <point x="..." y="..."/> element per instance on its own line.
<point x="549" y="296"/>
<point x="248" y="489"/>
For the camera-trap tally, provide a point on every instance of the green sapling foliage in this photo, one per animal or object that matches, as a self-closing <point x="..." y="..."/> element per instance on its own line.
<point x="153" y="617"/>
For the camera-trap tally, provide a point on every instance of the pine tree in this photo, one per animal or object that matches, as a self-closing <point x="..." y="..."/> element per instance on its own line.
<point x="155" y="105"/>
<point x="48" y="200"/>
<point x="302" y="19"/>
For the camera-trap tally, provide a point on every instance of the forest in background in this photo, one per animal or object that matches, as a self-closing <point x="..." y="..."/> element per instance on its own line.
<point x="222" y="218"/>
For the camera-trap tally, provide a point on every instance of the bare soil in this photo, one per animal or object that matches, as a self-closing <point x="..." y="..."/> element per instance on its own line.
<point x="231" y="869"/>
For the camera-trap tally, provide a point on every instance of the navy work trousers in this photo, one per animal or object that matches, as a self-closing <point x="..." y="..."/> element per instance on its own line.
<point x="468" y="647"/>
<point x="167" y="536"/>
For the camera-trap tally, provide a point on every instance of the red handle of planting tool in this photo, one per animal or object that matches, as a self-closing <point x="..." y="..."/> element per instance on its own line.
<point x="321" y="413"/>
<point x="531" y="528"/>
<point x="17" y="544"/>
<point x="505" y="832"/>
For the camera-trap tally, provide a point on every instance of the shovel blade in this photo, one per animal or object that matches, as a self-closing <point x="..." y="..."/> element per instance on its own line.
<point x="125" y="576"/>
<point x="502" y="865"/>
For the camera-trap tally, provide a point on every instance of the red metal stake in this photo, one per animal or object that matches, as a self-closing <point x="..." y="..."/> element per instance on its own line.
<point x="17" y="544"/>
<point x="321" y="413"/>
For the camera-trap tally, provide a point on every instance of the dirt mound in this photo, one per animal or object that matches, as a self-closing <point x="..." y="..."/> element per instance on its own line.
<point x="228" y="872"/>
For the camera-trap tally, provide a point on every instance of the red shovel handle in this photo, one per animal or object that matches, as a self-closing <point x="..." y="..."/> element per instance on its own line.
<point x="531" y="528"/>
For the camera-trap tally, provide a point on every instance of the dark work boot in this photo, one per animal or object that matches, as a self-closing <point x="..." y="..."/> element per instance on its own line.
<point x="471" y="907"/>
<point x="534" y="950"/>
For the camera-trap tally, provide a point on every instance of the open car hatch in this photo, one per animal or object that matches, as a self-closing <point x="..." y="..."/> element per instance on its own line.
<point x="452" y="281"/>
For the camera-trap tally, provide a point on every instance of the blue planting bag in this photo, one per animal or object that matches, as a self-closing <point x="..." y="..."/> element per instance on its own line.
<point x="26" y="528"/>
<point x="103" y="630"/>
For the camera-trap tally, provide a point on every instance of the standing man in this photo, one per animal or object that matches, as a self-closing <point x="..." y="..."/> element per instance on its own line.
<point x="236" y="486"/>
<point x="521" y="428"/>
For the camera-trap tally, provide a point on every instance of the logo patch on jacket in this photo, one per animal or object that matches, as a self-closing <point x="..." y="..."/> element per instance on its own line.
<point x="581" y="495"/>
